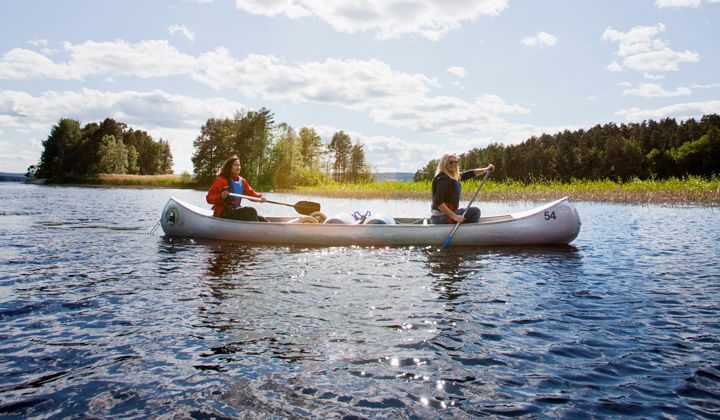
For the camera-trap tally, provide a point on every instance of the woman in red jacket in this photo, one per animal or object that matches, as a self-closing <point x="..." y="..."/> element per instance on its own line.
<point x="230" y="181"/>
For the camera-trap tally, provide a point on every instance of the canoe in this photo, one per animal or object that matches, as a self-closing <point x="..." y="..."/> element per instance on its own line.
<point x="551" y="224"/>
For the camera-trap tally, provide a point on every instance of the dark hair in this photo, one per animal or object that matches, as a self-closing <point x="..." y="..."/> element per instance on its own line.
<point x="227" y="167"/>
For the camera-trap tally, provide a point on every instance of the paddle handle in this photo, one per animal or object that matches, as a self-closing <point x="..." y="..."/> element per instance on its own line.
<point x="457" y="225"/>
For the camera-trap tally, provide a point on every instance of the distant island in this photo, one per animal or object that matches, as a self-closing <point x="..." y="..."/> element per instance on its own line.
<point x="12" y="177"/>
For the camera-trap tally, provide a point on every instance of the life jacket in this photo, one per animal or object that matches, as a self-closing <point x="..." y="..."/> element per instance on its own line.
<point x="455" y="197"/>
<point x="235" y="187"/>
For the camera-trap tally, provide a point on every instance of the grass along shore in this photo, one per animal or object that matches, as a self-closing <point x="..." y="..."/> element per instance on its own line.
<point x="690" y="190"/>
<point x="136" y="181"/>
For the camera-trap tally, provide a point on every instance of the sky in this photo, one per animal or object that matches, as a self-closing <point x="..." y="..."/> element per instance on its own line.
<point x="410" y="80"/>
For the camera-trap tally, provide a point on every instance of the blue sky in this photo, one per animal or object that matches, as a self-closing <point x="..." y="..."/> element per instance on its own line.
<point x="409" y="79"/>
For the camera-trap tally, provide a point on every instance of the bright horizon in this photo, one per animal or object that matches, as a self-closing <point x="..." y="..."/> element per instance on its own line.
<point x="409" y="80"/>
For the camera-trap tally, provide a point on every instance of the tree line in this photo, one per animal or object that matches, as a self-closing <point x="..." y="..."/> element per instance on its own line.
<point x="650" y="149"/>
<point x="106" y="147"/>
<point x="275" y="154"/>
<point x="271" y="154"/>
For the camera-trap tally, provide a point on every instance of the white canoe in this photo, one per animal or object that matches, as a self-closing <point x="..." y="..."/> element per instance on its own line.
<point x="552" y="224"/>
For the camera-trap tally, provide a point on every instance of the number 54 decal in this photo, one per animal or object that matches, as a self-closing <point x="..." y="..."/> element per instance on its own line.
<point x="550" y="215"/>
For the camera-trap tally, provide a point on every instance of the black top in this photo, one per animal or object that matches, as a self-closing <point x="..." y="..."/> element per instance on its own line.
<point x="447" y="190"/>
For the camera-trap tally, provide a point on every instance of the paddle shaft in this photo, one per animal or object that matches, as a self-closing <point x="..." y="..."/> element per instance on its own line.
<point x="257" y="200"/>
<point x="457" y="225"/>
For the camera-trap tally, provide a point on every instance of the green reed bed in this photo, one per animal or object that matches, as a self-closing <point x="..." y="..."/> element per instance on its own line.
<point x="171" y="181"/>
<point x="137" y="181"/>
<point x="690" y="190"/>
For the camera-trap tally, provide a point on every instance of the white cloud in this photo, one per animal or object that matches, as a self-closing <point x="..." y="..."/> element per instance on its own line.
<point x="653" y="90"/>
<point x="23" y="111"/>
<point x="540" y="40"/>
<point x="457" y="71"/>
<point x="142" y="59"/>
<point x="371" y="86"/>
<point x="677" y="3"/>
<point x="389" y="153"/>
<point x="651" y="76"/>
<point x="641" y="50"/>
<point x="36" y="144"/>
<point x="173" y="29"/>
<point x="682" y="3"/>
<point x="20" y="63"/>
<point x="154" y="58"/>
<point x="388" y="18"/>
<point x="614" y="66"/>
<point x="394" y="154"/>
<point x="705" y="86"/>
<point x="181" y="144"/>
<point x="679" y="111"/>
<point x="16" y="159"/>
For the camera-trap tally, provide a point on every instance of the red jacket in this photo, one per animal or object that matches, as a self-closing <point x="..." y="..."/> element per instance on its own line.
<point x="213" y="196"/>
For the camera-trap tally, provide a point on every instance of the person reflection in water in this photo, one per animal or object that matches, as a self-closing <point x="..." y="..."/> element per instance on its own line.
<point x="230" y="181"/>
<point x="446" y="190"/>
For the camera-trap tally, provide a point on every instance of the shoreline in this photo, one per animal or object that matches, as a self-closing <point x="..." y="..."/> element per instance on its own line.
<point x="691" y="191"/>
<point x="619" y="197"/>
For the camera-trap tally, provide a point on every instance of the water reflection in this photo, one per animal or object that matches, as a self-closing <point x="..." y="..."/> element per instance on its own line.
<point x="453" y="266"/>
<point x="450" y="267"/>
<point x="226" y="260"/>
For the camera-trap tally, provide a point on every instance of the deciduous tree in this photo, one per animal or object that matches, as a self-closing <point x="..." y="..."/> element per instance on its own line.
<point x="112" y="156"/>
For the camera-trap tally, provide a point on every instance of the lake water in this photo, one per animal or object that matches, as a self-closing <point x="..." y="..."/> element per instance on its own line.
<point x="101" y="318"/>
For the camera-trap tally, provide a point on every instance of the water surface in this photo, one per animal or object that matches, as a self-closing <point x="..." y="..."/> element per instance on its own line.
<point x="99" y="317"/>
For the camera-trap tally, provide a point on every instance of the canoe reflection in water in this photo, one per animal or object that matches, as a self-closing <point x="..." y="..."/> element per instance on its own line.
<point x="453" y="266"/>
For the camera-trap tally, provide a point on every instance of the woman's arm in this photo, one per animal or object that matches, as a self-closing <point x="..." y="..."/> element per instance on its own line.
<point x="249" y="191"/>
<point x="483" y="171"/>
<point x="214" y="195"/>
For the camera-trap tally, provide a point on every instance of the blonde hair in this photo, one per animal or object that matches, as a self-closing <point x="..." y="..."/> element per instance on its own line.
<point x="443" y="167"/>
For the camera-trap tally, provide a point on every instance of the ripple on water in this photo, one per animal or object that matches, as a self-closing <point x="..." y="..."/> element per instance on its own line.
<point x="101" y="319"/>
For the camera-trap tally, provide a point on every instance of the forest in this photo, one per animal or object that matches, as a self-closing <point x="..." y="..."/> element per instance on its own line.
<point x="107" y="147"/>
<point x="650" y="149"/>
<point x="274" y="154"/>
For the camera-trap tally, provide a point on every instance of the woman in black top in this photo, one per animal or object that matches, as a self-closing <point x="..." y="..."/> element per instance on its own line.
<point x="446" y="192"/>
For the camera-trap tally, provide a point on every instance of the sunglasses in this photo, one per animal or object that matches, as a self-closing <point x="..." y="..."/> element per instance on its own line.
<point x="452" y="162"/>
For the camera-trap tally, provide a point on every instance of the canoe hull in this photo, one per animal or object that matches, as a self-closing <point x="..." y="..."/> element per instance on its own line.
<point x="552" y="224"/>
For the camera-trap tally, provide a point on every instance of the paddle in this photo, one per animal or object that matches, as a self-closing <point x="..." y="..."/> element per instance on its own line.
<point x="457" y="225"/>
<point x="302" y="207"/>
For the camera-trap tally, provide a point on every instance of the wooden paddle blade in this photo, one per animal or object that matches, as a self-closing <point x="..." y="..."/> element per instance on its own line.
<point x="306" y="207"/>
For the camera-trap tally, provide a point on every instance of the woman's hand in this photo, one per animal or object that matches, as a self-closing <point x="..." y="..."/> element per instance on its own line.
<point x="483" y="171"/>
<point x="451" y="215"/>
<point x="263" y="199"/>
<point x="224" y="193"/>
